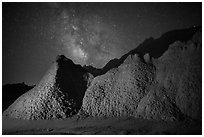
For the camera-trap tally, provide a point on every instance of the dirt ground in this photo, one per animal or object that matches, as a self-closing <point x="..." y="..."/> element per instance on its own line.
<point x="98" y="126"/>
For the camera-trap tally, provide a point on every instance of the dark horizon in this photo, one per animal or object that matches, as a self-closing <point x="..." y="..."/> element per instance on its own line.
<point x="88" y="33"/>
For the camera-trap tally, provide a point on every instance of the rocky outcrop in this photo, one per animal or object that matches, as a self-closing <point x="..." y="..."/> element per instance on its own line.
<point x="118" y="92"/>
<point x="179" y="72"/>
<point x="148" y="82"/>
<point x="167" y="88"/>
<point x="58" y="95"/>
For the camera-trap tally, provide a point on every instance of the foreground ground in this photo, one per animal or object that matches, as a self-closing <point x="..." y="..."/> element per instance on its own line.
<point x="99" y="126"/>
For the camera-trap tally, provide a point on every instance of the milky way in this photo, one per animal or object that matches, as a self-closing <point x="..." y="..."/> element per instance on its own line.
<point x="86" y="38"/>
<point x="33" y="34"/>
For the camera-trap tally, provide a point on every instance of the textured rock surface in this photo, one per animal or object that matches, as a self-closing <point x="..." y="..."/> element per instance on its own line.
<point x="118" y="92"/>
<point x="58" y="95"/>
<point x="168" y="89"/>
<point x="179" y="71"/>
<point x="157" y="105"/>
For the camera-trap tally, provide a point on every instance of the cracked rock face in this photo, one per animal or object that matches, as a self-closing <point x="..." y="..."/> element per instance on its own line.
<point x="167" y="88"/>
<point x="58" y="95"/>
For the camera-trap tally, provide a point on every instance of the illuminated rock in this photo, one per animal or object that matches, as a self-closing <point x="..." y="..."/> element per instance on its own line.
<point x="58" y="95"/>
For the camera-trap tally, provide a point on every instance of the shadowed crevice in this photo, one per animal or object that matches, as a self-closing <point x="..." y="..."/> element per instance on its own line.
<point x="71" y="81"/>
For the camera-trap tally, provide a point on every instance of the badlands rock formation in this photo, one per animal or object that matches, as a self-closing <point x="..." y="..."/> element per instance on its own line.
<point x="58" y="95"/>
<point x="167" y="88"/>
<point x="161" y="79"/>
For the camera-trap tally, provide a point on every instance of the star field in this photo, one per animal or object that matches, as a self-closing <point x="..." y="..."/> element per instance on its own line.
<point x="88" y="33"/>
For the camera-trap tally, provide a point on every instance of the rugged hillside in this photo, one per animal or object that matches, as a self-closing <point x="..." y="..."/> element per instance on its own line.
<point x="161" y="79"/>
<point x="58" y="95"/>
<point x="118" y="92"/>
<point x="154" y="47"/>
<point x="10" y="92"/>
<point x="179" y="72"/>
<point x="167" y="88"/>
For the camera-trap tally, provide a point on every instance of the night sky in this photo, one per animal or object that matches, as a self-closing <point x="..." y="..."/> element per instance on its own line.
<point x="33" y="34"/>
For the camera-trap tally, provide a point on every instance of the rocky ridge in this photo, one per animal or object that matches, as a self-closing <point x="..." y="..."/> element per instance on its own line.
<point x="167" y="88"/>
<point x="58" y="95"/>
<point x="148" y="82"/>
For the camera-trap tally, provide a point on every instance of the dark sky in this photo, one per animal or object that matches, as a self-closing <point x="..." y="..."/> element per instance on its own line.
<point x="88" y="33"/>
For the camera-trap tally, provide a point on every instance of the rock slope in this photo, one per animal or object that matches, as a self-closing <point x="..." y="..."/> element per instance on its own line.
<point x="179" y="72"/>
<point x="58" y="95"/>
<point x="167" y="88"/>
<point x="118" y="92"/>
<point x="161" y="79"/>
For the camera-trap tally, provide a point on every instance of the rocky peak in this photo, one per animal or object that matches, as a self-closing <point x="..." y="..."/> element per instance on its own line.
<point x="58" y="95"/>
